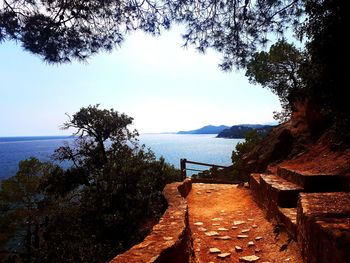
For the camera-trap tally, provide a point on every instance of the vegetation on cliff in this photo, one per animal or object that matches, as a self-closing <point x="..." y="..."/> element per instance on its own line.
<point x="102" y="205"/>
<point x="240" y="131"/>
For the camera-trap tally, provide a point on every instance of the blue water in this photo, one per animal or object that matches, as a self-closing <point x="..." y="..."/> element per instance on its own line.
<point x="201" y="148"/>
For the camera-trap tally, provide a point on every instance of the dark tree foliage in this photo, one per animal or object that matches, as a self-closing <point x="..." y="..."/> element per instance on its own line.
<point x="101" y="206"/>
<point x="102" y="134"/>
<point x="61" y="30"/>
<point x="115" y="187"/>
<point x="281" y="70"/>
<point x="236" y="28"/>
<point x="252" y="139"/>
<point x="21" y="208"/>
<point x="326" y="27"/>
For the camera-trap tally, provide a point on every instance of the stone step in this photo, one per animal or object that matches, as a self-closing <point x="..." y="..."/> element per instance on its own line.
<point x="254" y="182"/>
<point x="312" y="182"/>
<point x="323" y="230"/>
<point x="279" y="191"/>
<point x="288" y="217"/>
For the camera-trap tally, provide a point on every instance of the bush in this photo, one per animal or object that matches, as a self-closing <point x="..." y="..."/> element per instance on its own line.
<point x="252" y="139"/>
<point x="105" y="203"/>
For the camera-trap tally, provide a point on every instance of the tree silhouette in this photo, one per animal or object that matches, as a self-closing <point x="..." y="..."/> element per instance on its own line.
<point x="280" y="70"/>
<point x="60" y="30"/>
<point x="20" y="199"/>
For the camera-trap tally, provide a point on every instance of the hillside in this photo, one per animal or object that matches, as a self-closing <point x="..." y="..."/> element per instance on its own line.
<point x="209" y="129"/>
<point x="303" y="144"/>
<point x="239" y="131"/>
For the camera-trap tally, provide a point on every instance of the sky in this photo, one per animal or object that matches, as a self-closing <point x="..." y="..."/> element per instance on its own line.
<point x="163" y="86"/>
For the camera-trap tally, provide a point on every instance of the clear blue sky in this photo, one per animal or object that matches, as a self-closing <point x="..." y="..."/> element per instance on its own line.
<point x="165" y="88"/>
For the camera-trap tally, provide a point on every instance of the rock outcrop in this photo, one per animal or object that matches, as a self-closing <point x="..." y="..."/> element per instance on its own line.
<point x="303" y="184"/>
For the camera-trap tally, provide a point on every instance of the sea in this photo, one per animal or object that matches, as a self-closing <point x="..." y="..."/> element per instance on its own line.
<point x="204" y="148"/>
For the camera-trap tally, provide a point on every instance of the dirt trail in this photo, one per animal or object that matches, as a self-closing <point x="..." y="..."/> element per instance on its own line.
<point x="217" y="207"/>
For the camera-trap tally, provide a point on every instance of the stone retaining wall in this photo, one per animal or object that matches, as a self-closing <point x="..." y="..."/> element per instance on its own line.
<point x="170" y="240"/>
<point x="324" y="227"/>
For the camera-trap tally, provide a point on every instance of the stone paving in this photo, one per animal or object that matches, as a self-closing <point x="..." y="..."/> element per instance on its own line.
<point x="228" y="226"/>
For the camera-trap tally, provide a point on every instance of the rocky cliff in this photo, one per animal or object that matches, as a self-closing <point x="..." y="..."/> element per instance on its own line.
<point x="305" y="142"/>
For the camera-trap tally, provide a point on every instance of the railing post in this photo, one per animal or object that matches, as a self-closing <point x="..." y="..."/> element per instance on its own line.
<point x="183" y="168"/>
<point x="214" y="171"/>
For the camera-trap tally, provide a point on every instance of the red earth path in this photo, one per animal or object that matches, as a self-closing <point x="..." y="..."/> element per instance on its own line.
<point x="230" y="211"/>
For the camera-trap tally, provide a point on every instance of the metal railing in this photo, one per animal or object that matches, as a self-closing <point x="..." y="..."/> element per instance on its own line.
<point x="183" y="167"/>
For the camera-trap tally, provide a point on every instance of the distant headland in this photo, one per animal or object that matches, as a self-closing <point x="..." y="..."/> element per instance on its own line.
<point x="233" y="132"/>
<point x="209" y="129"/>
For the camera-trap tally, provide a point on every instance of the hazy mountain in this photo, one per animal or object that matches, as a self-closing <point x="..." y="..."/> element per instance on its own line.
<point x="209" y="129"/>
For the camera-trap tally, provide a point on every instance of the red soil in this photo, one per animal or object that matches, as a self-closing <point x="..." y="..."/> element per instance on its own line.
<point x="320" y="159"/>
<point x="227" y="204"/>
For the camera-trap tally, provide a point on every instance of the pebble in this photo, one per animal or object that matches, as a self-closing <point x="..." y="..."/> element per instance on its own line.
<point x="254" y="226"/>
<point x="251" y="243"/>
<point x="202" y="229"/>
<point x="224" y="255"/>
<point x="223" y="238"/>
<point x="222" y="229"/>
<point x="245" y="230"/>
<point x="168" y="238"/>
<point x="239" y="222"/>
<point x="258" y="238"/>
<point x="198" y="223"/>
<point x="242" y="236"/>
<point x="145" y="244"/>
<point x="217" y="219"/>
<point x="234" y="227"/>
<point x="238" y="249"/>
<point x="211" y="233"/>
<point x="214" y="250"/>
<point x="250" y="219"/>
<point x="257" y="250"/>
<point x="208" y="192"/>
<point x="198" y="193"/>
<point x="248" y="259"/>
<point x="216" y="224"/>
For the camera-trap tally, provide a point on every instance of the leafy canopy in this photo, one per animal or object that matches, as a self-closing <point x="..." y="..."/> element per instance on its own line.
<point x="101" y="134"/>
<point x="252" y="139"/>
<point x="59" y="30"/>
<point x="20" y="201"/>
<point x="280" y="70"/>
